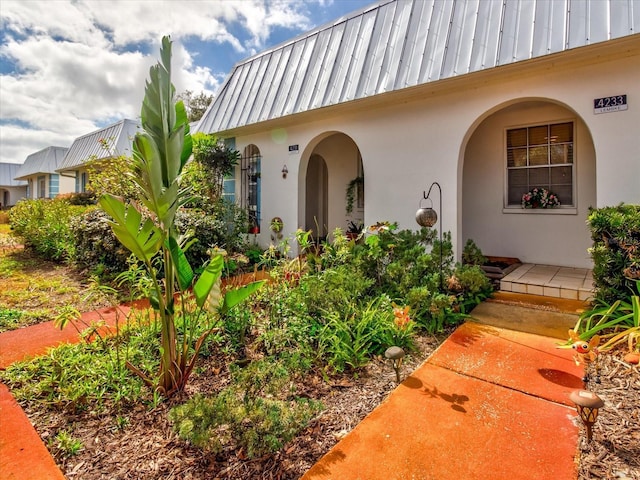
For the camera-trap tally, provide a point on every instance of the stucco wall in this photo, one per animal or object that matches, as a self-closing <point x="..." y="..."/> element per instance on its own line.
<point x="9" y="196"/>
<point x="65" y="185"/>
<point x="408" y="142"/>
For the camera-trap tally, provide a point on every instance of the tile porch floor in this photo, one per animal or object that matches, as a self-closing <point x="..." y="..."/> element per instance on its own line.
<point x="550" y="281"/>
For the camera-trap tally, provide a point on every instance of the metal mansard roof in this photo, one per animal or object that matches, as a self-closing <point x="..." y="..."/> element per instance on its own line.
<point x="8" y="173"/>
<point x="394" y="44"/>
<point x="116" y="139"/>
<point x="46" y="160"/>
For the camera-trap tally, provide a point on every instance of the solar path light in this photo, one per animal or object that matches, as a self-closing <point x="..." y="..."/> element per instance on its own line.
<point x="395" y="354"/>
<point x="588" y="404"/>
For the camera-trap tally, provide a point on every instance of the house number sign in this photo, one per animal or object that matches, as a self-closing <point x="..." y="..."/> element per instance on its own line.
<point x="615" y="103"/>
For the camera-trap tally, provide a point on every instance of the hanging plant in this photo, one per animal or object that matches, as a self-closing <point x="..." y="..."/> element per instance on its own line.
<point x="351" y="192"/>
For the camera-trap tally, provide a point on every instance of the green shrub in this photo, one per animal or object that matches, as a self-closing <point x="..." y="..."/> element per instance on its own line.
<point x="349" y="340"/>
<point x="472" y="255"/>
<point x="82" y="198"/>
<point x="257" y="413"/>
<point x="400" y="261"/>
<point x="615" y="232"/>
<point x="470" y="285"/>
<point x="259" y="427"/>
<point x="96" y="247"/>
<point x="287" y="329"/>
<point x="224" y="228"/>
<point x="44" y="226"/>
<point x="335" y="289"/>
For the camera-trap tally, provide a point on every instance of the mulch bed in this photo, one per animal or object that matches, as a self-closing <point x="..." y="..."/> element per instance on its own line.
<point x="147" y="448"/>
<point x="614" y="452"/>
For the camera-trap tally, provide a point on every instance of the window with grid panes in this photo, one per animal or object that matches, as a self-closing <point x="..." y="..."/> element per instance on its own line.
<point x="540" y="156"/>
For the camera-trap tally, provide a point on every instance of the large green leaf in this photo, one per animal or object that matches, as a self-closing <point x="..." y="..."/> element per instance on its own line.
<point x="182" y="119"/>
<point x="146" y="154"/>
<point x="139" y="235"/>
<point x="184" y="273"/>
<point x="234" y="297"/>
<point x="208" y="279"/>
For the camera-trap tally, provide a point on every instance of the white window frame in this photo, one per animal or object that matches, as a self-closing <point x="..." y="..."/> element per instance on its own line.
<point x="562" y="209"/>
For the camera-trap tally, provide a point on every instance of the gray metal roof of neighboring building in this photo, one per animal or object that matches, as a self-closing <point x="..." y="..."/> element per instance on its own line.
<point x="44" y="161"/>
<point x="8" y="174"/>
<point x="395" y="44"/>
<point x="114" y="140"/>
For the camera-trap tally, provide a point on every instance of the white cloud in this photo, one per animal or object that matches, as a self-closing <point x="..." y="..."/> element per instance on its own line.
<point x="81" y="64"/>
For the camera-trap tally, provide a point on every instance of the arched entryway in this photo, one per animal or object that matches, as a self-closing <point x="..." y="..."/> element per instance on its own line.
<point x="521" y="146"/>
<point x="317" y="201"/>
<point x="333" y="162"/>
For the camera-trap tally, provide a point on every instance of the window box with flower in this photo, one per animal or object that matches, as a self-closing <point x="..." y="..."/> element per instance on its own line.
<point x="540" y="198"/>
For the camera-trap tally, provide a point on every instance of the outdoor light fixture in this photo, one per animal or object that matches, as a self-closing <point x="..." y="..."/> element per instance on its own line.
<point x="587" y="404"/>
<point x="285" y="170"/>
<point x="395" y="354"/>
<point x="427" y="217"/>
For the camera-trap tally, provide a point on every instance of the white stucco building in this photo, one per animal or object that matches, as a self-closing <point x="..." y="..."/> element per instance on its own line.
<point x="107" y="142"/>
<point x="39" y="171"/>
<point x="11" y="190"/>
<point x="488" y="98"/>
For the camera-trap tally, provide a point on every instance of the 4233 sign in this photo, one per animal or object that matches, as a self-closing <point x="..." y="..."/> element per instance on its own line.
<point x="615" y="103"/>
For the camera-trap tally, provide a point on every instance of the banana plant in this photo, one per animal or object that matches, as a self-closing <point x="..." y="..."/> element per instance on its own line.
<point x="160" y="152"/>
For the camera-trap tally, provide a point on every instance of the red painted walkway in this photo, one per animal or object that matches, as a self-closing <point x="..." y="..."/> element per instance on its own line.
<point x="489" y="404"/>
<point x="23" y="456"/>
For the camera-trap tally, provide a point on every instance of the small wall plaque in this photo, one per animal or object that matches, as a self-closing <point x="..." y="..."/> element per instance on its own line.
<point x="615" y="103"/>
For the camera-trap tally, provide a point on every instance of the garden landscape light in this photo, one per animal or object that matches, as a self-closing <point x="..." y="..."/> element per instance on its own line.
<point x="587" y="405"/>
<point x="395" y="354"/>
<point x="427" y="217"/>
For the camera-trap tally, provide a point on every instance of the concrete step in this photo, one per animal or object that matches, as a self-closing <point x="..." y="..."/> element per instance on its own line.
<point x="547" y="316"/>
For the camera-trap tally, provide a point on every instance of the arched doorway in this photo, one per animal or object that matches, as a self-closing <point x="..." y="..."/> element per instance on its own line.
<point x="317" y="202"/>
<point x="529" y="144"/>
<point x="333" y="162"/>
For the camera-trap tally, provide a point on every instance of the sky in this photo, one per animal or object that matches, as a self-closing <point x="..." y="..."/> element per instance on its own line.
<point x="70" y="67"/>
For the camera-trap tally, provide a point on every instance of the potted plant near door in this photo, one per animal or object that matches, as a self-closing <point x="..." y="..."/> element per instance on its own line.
<point x="354" y="229"/>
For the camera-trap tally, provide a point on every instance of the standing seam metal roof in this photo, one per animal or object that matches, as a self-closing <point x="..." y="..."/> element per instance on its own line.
<point x="119" y="139"/>
<point x="8" y="173"/>
<point x="45" y="161"/>
<point x="397" y="44"/>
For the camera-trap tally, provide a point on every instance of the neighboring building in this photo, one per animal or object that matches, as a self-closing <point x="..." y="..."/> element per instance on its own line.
<point x="108" y="142"/>
<point x="39" y="171"/>
<point x="11" y="190"/>
<point x="487" y="98"/>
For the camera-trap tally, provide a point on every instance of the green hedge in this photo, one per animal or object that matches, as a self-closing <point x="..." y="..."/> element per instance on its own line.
<point x="43" y="225"/>
<point x="615" y="232"/>
<point x="96" y="247"/>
